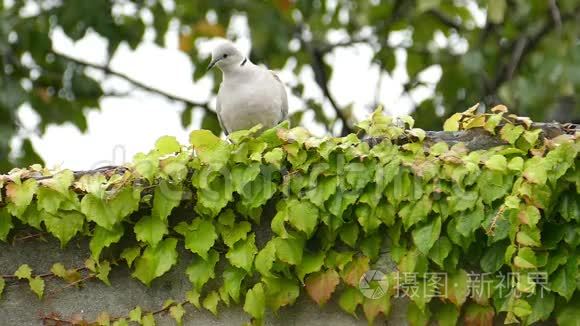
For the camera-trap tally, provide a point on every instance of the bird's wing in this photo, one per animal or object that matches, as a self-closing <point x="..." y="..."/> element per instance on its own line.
<point x="218" y="110"/>
<point x="284" y="97"/>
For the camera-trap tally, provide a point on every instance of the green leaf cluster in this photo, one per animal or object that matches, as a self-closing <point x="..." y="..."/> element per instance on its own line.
<point x="332" y="207"/>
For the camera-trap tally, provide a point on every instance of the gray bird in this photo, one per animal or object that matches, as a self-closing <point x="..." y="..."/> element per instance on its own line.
<point x="249" y="94"/>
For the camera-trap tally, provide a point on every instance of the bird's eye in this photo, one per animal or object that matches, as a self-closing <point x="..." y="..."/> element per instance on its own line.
<point x="225" y="55"/>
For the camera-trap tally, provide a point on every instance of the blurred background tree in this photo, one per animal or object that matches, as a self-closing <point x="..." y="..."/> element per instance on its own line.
<point x="523" y="53"/>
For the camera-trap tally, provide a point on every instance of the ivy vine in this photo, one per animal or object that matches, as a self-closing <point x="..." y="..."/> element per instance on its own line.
<point x="339" y="204"/>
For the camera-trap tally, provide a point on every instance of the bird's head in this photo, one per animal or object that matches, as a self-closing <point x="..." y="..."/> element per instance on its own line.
<point x="225" y="55"/>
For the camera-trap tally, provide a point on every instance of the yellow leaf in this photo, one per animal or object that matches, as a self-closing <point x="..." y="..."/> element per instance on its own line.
<point x="471" y="110"/>
<point x="476" y="122"/>
<point x="499" y="109"/>
<point x="452" y="124"/>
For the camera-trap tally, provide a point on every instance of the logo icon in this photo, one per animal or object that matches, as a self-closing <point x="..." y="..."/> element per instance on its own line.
<point x="373" y="284"/>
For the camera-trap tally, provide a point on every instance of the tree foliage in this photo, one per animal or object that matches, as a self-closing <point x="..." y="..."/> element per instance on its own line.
<point x="523" y="53"/>
<point x="341" y="204"/>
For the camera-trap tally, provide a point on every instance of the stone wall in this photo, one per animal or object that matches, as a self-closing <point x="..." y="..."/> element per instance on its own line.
<point x="20" y="307"/>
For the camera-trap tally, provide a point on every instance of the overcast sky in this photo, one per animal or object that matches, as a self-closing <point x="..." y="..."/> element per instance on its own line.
<point x="131" y="124"/>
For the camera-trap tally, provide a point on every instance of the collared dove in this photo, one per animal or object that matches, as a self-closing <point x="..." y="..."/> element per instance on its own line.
<point x="249" y="94"/>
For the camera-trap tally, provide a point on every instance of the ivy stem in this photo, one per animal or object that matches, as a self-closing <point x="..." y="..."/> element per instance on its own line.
<point x="45" y="275"/>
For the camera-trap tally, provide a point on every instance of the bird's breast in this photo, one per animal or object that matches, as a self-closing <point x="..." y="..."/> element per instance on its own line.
<point x="248" y="104"/>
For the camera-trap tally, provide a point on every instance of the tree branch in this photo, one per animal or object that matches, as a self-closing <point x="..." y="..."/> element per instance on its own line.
<point x="524" y="46"/>
<point x="322" y="81"/>
<point x="131" y="80"/>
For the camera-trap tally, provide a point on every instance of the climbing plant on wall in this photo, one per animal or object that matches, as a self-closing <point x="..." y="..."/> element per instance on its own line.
<point x="454" y="210"/>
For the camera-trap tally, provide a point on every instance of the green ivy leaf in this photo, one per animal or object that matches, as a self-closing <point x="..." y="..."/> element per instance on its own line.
<point x="239" y="231"/>
<point x="569" y="314"/>
<point x="349" y="300"/>
<point x="148" y="320"/>
<point x="492" y="122"/>
<point x="290" y="250"/>
<point x="233" y="278"/>
<point x="177" y="312"/>
<point x="274" y="157"/>
<point x="23" y="272"/>
<point x="569" y="208"/>
<point x="415" y="212"/>
<point x="280" y="292"/>
<point x="201" y="271"/>
<point x="516" y="164"/>
<point x="211" y="301"/>
<point x="20" y="194"/>
<point x="529" y="237"/>
<point x="493" y="258"/>
<point x="535" y="170"/>
<point x="497" y="163"/>
<point x="303" y="216"/>
<point x="108" y="212"/>
<point x="150" y="230"/>
<point x="135" y="314"/>
<point x="130" y="253"/>
<point x="529" y="215"/>
<point x="213" y="195"/>
<point x="200" y="236"/>
<point x="37" y="286"/>
<point x="325" y="187"/>
<point x="167" y="145"/>
<point x="425" y="235"/>
<point x="103" y="238"/>
<point x="146" y="166"/>
<point x="416" y="316"/>
<point x="5" y="224"/>
<point x="349" y="234"/>
<point x="510" y="132"/>
<point x="193" y="298"/>
<point x="61" y="181"/>
<point x="210" y="149"/>
<point x="48" y="199"/>
<point x="243" y="175"/>
<point x="255" y="303"/>
<point x="340" y="201"/>
<point x="542" y="303"/>
<point x="265" y="259"/>
<point x="103" y="270"/>
<point x="563" y="281"/>
<point x="468" y="222"/>
<point x="120" y="322"/>
<point x="426" y="290"/>
<point x="155" y="262"/>
<point x="525" y="259"/>
<point x="64" y="226"/>
<point x="242" y="254"/>
<point x="167" y="196"/>
<point x="446" y="314"/>
<point x="311" y="262"/>
<point x="440" y="250"/>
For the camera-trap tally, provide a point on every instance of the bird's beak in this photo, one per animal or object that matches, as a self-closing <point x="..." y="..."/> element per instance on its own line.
<point x="212" y="63"/>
